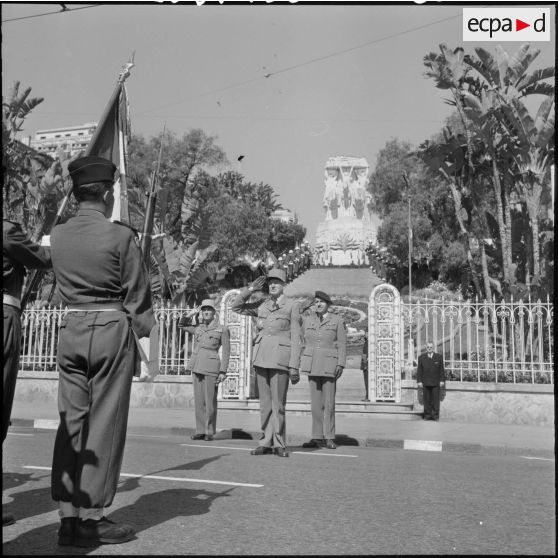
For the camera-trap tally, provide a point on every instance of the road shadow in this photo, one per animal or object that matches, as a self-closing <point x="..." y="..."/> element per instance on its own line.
<point x="345" y="440"/>
<point x="147" y="511"/>
<point x="153" y="509"/>
<point x="234" y="434"/>
<point x="27" y="503"/>
<point x="193" y="465"/>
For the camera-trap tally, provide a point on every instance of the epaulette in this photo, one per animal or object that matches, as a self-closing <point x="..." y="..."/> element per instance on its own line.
<point x="127" y="225"/>
<point x="219" y="328"/>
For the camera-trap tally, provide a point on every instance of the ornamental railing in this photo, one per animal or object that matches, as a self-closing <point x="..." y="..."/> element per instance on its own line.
<point x="40" y="327"/>
<point x="511" y="342"/>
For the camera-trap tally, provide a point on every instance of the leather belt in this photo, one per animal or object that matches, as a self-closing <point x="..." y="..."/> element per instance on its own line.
<point x="11" y="300"/>
<point x="97" y="307"/>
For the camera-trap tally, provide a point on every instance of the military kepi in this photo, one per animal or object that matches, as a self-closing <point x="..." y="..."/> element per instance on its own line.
<point x="277" y="274"/>
<point x="86" y="170"/>
<point x="207" y="303"/>
<point x="322" y="296"/>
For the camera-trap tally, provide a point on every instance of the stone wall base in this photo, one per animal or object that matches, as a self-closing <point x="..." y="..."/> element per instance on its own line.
<point x="491" y="403"/>
<point x="527" y="404"/>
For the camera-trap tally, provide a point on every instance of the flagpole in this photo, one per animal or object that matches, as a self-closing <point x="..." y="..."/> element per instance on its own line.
<point x="37" y="275"/>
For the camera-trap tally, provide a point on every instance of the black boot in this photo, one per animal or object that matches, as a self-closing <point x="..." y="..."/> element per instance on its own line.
<point x="67" y="531"/>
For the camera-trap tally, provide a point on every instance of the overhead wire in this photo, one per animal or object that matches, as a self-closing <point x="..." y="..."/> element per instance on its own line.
<point x="302" y="64"/>
<point x="52" y="13"/>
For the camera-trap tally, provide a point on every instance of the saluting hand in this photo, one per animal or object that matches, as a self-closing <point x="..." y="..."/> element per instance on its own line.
<point x="258" y="283"/>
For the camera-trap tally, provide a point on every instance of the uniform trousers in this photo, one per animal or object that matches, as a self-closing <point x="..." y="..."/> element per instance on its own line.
<point x="272" y="388"/>
<point x="97" y="356"/>
<point x="322" y="400"/>
<point x="205" y="399"/>
<point x="12" y="346"/>
<point x="431" y="400"/>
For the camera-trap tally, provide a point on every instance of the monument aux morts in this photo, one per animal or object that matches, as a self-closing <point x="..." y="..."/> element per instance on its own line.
<point x="349" y="224"/>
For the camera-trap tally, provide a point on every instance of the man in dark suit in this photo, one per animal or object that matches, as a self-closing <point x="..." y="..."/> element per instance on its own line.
<point x="103" y="281"/>
<point x="18" y="253"/>
<point x="430" y="377"/>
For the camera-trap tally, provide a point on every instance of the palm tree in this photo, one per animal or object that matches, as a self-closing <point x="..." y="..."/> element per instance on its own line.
<point x="533" y="155"/>
<point x="502" y="118"/>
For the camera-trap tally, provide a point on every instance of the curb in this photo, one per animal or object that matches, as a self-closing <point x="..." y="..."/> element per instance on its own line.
<point x="341" y="441"/>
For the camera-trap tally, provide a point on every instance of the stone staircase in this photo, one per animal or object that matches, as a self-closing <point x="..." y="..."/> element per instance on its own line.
<point x="348" y="400"/>
<point x="355" y="282"/>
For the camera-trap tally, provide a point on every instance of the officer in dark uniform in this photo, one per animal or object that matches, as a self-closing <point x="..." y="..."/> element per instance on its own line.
<point x="208" y="370"/>
<point x="275" y="355"/>
<point x="18" y="253"/>
<point x="430" y="376"/>
<point x="102" y="280"/>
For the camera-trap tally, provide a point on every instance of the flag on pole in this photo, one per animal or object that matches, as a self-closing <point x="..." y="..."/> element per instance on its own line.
<point x="111" y="139"/>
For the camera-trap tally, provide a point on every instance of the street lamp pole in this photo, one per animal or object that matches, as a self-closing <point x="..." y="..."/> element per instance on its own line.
<point x="410" y="231"/>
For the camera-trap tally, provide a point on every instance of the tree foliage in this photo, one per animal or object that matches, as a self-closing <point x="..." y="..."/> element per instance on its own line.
<point x="284" y="237"/>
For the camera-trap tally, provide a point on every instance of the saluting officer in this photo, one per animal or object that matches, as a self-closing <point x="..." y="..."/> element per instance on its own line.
<point x="276" y="353"/>
<point x="208" y="371"/>
<point x="102" y="280"/>
<point x="18" y="252"/>
<point x="324" y="353"/>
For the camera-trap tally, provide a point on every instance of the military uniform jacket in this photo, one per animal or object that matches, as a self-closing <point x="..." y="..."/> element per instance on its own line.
<point x="207" y="340"/>
<point x="324" y="344"/>
<point x="99" y="262"/>
<point x="19" y="252"/>
<point x="430" y="371"/>
<point x="277" y="343"/>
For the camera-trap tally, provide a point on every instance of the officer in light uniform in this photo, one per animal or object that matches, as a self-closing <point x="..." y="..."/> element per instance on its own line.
<point x="103" y="282"/>
<point x="18" y="252"/>
<point x="207" y="369"/>
<point x="276" y="353"/>
<point x="323" y="357"/>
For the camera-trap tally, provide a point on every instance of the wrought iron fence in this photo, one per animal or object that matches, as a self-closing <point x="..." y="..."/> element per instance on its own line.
<point x="40" y="327"/>
<point x="486" y="342"/>
<point x="481" y="341"/>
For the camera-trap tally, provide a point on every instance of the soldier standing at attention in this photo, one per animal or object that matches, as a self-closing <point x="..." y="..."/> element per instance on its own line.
<point x="18" y="253"/>
<point x="208" y="371"/>
<point x="324" y="353"/>
<point x="275" y="356"/>
<point x="102" y="280"/>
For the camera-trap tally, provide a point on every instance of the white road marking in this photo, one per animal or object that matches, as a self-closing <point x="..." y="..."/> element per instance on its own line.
<point x="423" y="445"/>
<point x="320" y="454"/>
<point x="179" y="479"/>
<point x="539" y="458"/>
<point x="215" y="447"/>
<point x="19" y="434"/>
<point x="250" y="449"/>
<point x="205" y="481"/>
<point x="144" y="436"/>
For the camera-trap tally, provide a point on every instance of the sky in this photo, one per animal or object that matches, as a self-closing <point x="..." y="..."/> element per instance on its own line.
<point x="342" y="80"/>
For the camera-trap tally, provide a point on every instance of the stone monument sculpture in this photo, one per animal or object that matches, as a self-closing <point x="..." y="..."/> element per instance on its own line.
<point x="349" y="223"/>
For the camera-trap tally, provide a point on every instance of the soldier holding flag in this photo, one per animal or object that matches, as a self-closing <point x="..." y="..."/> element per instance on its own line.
<point x="102" y="279"/>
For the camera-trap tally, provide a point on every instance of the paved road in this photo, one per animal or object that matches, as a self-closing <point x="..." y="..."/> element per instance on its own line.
<point x="202" y="498"/>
